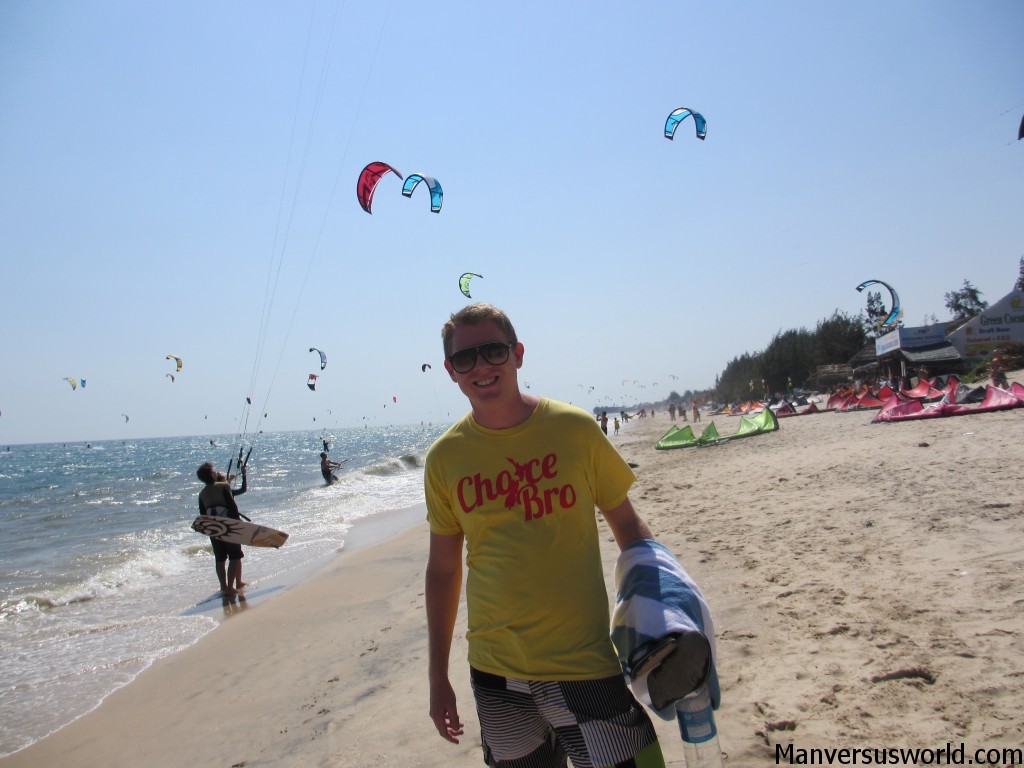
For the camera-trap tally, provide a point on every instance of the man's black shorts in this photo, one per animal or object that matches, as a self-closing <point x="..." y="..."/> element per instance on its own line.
<point x="222" y="550"/>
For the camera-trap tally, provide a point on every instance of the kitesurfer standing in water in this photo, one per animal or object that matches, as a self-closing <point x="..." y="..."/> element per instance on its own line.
<point x="327" y="468"/>
<point x="218" y="499"/>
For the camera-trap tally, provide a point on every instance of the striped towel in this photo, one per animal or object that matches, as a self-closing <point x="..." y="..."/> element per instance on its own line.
<point x="662" y="628"/>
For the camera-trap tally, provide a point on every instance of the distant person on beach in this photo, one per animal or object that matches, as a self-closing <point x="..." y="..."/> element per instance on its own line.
<point x="696" y="412"/>
<point x="604" y="422"/>
<point x="997" y="370"/>
<point x="327" y="468"/>
<point x="217" y="498"/>
<point x="616" y="424"/>
<point x="516" y="482"/>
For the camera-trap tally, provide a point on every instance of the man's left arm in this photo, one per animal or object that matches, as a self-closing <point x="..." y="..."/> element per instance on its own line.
<point x="245" y="485"/>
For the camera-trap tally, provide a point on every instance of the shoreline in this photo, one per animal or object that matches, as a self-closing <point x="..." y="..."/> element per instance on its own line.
<point x="862" y="579"/>
<point x="364" y="533"/>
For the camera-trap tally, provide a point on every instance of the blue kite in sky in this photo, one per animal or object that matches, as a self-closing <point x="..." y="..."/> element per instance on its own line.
<point x="435" y="189"/>
<point x="678" y="115"/>
<point x="323" y="357"/>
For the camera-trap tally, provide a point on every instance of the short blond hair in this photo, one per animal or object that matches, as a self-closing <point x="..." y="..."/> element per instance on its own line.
<point x="475" y="314"/>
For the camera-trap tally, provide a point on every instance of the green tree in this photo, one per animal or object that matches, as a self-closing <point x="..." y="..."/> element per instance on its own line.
<point x="965" y="303"/>
<point x="735" y="382"/>
<point x="876" y="314"/>
<point x="790" y="355"/>
<point x="838" y="338"/>
<point x="1019" y="285"/>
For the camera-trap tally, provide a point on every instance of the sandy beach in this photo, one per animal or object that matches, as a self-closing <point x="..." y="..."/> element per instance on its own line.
<point x="865" y="583"/>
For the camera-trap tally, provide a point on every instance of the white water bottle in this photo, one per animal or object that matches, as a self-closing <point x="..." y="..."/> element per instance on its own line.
<point x="697" y="727"/>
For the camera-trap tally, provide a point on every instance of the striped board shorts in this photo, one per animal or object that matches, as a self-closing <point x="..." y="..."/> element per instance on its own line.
<point x="537" y="724"/>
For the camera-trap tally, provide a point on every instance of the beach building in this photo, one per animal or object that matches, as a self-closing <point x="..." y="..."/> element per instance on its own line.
<point x="864" y="365"/>
<point x="905" y="351"/>
<point x="1001" y="324"/>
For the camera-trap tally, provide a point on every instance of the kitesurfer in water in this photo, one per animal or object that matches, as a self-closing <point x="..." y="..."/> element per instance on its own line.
<point x="217" y="498"/>
<point x="327" y="468"/>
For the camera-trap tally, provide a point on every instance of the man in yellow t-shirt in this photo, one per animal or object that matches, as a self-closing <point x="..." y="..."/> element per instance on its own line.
<point x="517" y="481"/>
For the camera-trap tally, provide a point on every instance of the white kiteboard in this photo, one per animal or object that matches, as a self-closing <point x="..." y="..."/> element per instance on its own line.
<point x="238" y="531"/>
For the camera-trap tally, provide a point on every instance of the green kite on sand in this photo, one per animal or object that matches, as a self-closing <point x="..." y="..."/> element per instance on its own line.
<point x="763" y="422"/>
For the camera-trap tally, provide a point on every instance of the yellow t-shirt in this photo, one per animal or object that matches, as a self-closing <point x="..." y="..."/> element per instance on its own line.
<point x="525" y="499"/>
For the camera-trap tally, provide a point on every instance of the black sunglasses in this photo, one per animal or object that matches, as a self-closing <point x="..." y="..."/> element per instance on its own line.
<point x="494" y="353"/>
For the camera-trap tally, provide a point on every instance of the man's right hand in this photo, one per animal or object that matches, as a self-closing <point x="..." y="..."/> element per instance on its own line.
<point x="443" y="711"/>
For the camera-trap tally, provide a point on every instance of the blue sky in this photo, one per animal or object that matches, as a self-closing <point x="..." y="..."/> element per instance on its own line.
<point x="178" y="178"/>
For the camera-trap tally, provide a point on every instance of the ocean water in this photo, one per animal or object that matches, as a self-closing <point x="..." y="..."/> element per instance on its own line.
<point x="101" y="574"/>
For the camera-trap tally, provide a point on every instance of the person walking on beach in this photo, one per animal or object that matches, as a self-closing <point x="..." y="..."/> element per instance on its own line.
<point x="516" y="481"/>
<point x="217" y="498"/>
